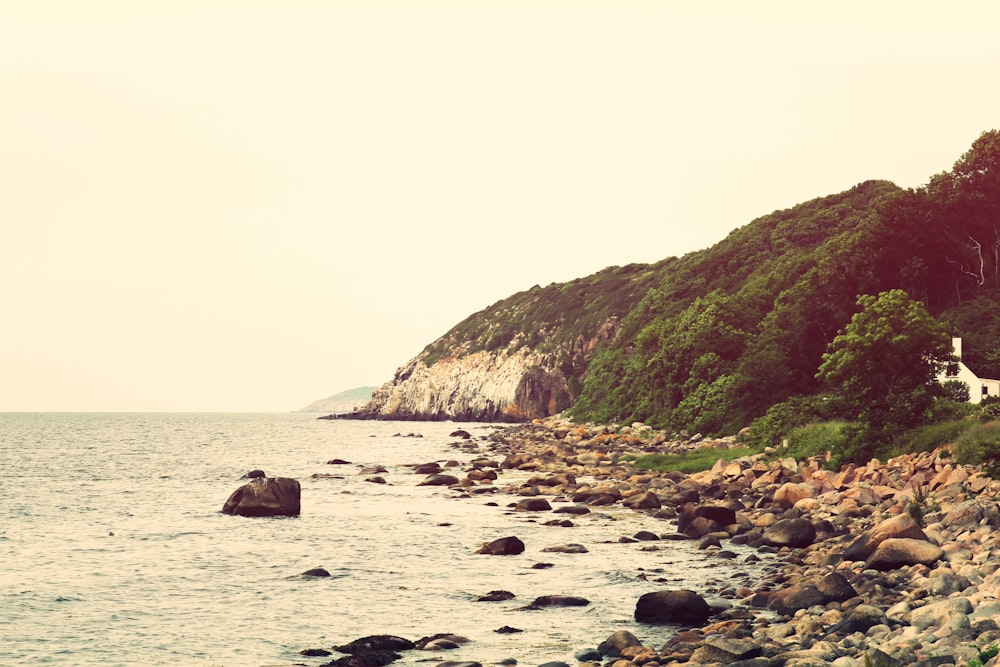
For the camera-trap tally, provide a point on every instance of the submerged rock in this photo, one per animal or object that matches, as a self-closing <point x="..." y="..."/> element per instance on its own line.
<point x="316" y="572"/>
<point x="377" y="643"/>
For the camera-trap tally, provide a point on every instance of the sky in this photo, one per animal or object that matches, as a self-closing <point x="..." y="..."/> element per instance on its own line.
<point x="248" y="205"/>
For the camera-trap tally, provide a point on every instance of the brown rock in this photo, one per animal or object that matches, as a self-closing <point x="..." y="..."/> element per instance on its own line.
<point x="789" y="600"/>
<point x="672" y="607"/>
<point x="439" y="480"/>
<point x="789" y="494"/>
<point x="899" y="526"/>
<point x="647" y="500"/>
<point x="900" y="551"/>
<point x="794" y="533"/>
<point x="725" y="650"/>
<point x="620" y="640"/>
<point x="265" y="496"/>
<point x="505" y="546"/>
<point x="533" y="505"/>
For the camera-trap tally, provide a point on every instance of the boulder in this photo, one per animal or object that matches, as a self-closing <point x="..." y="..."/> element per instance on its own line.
<point x="700" y="526"/>
<point x="789" y="600"/>
<point x="572" y="509"/>
<point x="559" y="479"/>
<point x="862" y="618"/>
<point x="938" y="614"/>
<point x="367" y="659"/>
<point x="265" y="496"/>
<point x="439" y="480"/>
<point x="794" y="533"/>
<point x="971" y="513"/>
<point x="613" y="645"/>
<point x="254" y="474"/>
<point x="496" y="596"/>
<point x="900" y="552"/>
<point x="721" y="515"/>
<point x="901" y="525"/>
<point x="376" y="643"/>
<point x="672" y="607"/>
<point x="645" y="500"/>
<point x="505" y="546"/>
<point x="790" y="493"/>
<point x="726" y="651"/>
<point x="533" y="505"/>
<point x="835" y="587"/>
<point x="460" y="433"/>
<point x="372" y="651"/>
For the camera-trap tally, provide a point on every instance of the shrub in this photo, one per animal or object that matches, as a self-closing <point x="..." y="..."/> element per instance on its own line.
<point x="989" y="410"/>
<point x="931" y="436"/>
<point x="945" y="410"/>
<point x="956" y="390"/>
<point x="980" y="445"/>
<point x="818" y="438"/>
<point x="781" y="418"/>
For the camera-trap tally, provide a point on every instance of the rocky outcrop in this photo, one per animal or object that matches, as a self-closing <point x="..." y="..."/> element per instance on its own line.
<point x="484" y="386"/>
<point x="521" y="359"/>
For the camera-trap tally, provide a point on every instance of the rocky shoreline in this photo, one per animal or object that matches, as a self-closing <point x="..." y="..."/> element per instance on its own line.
<point x="890" y="563"/>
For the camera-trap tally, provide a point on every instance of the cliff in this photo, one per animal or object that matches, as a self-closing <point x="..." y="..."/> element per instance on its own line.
<point x="524" y="357"/>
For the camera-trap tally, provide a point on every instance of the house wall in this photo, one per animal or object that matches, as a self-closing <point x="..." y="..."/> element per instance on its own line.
<point x="979" y="388"/>
<point x="964" y="374"/>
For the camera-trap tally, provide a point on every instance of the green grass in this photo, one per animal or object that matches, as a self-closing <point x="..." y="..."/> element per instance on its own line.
<point x="980" y="445"/>
<point x="814" y="439"/>
<point x="689" y="462"/>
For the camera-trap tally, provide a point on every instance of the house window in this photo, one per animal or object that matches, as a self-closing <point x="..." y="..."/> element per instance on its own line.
<point x="952" y="370"/>
<point x="986" y="390"/>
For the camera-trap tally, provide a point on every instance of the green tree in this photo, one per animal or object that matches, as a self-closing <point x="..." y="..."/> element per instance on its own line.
<point x="884" y="366"/>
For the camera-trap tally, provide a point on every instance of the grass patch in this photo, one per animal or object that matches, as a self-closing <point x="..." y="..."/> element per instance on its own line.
<point x="929" y="437"/>
<point x="816" y="439"/>
<point x="689" y="462"/>
<point x="980" y="445"/>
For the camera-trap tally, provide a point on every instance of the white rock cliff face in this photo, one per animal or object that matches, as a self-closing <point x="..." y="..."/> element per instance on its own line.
<point x="482" y="386"/>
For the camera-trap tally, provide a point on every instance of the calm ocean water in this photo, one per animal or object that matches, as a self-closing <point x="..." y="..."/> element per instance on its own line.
<point x="113" y="550"/>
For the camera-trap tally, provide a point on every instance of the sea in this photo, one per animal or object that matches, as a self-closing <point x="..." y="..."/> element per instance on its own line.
<point x="114" y="550"/>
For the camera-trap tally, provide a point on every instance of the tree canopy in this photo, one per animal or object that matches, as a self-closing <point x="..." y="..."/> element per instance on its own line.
<point x="884" y="364"/>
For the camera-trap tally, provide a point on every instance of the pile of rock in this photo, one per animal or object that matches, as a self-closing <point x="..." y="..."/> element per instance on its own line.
<point x="889" y="563"/>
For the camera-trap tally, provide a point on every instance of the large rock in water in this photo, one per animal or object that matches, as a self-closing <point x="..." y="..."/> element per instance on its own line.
<point x="266" y="496"/>
<point x="505" y="546"/>
<point x="675" y="607"/>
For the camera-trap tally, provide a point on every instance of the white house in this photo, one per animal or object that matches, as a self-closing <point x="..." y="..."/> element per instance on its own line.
<point x="979" y="388"/>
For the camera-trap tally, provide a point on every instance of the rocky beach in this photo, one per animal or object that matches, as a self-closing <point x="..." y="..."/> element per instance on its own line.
<point x="890" y="563"/>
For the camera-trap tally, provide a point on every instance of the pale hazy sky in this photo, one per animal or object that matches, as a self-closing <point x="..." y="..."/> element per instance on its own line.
<point x="250" y="204"/>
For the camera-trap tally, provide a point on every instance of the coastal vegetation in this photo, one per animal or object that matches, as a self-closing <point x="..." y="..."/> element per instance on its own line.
<point x="826" y="322"/>
<point x="738" y="329"/>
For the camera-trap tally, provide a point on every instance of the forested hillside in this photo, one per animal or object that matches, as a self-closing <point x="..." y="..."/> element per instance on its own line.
<point x="711" y="340"/>
<point x="734" y="329"/>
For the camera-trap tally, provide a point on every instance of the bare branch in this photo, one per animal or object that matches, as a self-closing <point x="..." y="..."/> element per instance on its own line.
<point x="978" y="247"/>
